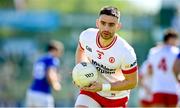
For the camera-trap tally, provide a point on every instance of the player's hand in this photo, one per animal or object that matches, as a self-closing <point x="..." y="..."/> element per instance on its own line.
<point x="57" y="86"/>
<point x="94" y="87"/>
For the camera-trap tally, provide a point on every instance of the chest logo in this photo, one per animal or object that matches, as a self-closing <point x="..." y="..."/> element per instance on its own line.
<point x="111" y="59"/>
<point x="89" y="49"/>
<point x="100" y="54"/>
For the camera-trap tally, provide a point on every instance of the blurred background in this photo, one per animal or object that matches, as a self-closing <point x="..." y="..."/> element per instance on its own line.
<point x="27" y="25"/>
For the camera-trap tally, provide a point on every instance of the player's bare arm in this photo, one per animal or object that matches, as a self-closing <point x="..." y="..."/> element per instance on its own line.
<point x="130" y="82"/>
<point x="141" y="84"/>
<point x="53" y="79"/>
<point x="80" y="56"/>
<point x="149" y="69"/>
<point x="176" y="68"/>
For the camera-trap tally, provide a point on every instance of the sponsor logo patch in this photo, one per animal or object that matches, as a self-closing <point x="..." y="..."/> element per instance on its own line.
<point x="89" y="49"/>
<point x="130" y="65"/>
<point x="133" y="64"/>
<point x="111" y="59"/>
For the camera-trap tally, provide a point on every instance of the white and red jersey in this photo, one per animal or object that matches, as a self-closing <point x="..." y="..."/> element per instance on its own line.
<point x="154" y="49"/>
<point x="111" y="62"/>
<point x="163" y="78"/>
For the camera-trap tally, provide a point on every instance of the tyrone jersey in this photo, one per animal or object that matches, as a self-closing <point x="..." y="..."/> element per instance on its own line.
<point x="163" y="79"/>
<point x="111" y="62"/>
<point x="40" y="81"/>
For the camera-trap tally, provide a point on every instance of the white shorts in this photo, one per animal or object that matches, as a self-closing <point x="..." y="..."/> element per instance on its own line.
<point x="39" y="99"/>
<point x="86" y="101"/>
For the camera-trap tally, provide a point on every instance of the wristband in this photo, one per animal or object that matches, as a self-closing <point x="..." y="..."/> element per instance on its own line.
<point x="106" y="87"/>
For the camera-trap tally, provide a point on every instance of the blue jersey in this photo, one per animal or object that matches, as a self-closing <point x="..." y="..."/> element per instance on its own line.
<point x="178" y="56"/>
<point x="40" y="80"/>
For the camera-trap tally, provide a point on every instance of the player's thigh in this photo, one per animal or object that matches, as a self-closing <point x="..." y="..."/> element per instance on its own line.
<point x="45" y="100"/>
<point x="84" y="101"/>
<point x="30" y="99"/>
<point x="50" y="101"/>
<point x="36" y="99"/>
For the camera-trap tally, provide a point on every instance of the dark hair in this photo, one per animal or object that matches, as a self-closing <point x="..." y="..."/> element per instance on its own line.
<point x="109" y="10"/>
<point x="169" y="33"/>
<point x="54" y="45"/>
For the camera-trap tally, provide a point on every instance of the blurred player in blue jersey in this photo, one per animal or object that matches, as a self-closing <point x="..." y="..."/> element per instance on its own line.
<point x="45" y="77"/>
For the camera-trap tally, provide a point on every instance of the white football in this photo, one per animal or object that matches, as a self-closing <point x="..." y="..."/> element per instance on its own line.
<point x="84" y="73"/>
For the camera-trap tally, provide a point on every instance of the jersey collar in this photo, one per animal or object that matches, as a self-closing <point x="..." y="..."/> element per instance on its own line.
<point x="107" y="47"/>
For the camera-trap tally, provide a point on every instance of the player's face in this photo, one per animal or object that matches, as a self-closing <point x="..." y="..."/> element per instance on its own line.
<point x="58" y="53"/>
<point x="107" y="25"/>
<point x="175" y="41"/>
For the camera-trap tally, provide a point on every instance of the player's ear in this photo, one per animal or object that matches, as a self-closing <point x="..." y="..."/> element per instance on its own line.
<point x="97" y="23"/>
<point x="119" y="26"/>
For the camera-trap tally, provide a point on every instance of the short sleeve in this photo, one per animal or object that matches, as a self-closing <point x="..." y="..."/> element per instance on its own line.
<point x="129" y="63"/>
<point x="53" y="63"/>
<point x="82" y="40"/>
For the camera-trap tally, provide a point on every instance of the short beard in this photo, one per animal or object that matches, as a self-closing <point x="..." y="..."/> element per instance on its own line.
<point x="106" y="38"/>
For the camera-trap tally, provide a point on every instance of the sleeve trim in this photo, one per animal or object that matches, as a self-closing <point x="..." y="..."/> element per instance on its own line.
<point x="81" y="46"/>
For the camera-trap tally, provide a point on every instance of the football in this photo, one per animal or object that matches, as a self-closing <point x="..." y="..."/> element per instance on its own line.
<point x="84" y="73"/>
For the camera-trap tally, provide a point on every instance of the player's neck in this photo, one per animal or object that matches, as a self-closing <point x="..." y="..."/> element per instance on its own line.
<point x="104" y="42"/>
